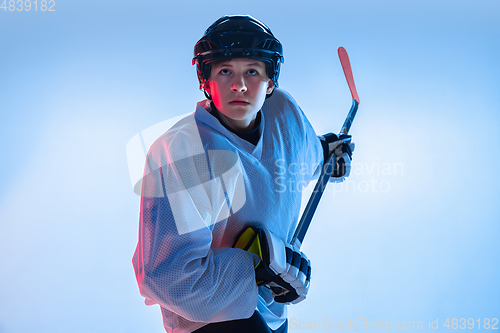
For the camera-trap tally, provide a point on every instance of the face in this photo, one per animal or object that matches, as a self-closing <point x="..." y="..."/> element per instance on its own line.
<point x="238" y="89"/>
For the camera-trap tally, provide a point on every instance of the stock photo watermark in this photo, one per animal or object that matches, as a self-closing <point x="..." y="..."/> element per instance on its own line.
<point x="184" y="174"/>
<point x="283" y="180"/>
<point x="28" y="6"/>
<point x="364" y="323"/>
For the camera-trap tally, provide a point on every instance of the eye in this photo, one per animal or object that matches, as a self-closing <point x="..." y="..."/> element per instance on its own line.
<point x="224" y="71"/>
<point x="252" y="72"/>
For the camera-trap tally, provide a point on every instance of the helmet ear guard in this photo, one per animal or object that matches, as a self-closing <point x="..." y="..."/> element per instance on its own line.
<point x="237" y="36"/>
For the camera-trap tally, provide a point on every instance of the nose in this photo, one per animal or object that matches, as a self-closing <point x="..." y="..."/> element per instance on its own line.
<point x="238" y="84"/>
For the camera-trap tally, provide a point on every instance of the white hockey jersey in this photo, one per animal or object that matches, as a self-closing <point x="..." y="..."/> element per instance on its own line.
<point x="202" y="185"/>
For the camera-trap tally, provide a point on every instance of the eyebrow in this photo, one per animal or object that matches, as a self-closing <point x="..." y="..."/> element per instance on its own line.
<point x="247" y="65"/>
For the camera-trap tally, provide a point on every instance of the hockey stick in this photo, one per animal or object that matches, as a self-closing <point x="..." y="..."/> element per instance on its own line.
<point x="328" y="167"/>
<point x="346" y="66"/>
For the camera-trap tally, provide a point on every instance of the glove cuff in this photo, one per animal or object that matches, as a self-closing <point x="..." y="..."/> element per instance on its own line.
<point x="269" y="248"/>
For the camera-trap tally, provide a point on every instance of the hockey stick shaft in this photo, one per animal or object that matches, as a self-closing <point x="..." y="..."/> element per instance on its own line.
<point x="328" y="167"/>
<point x="350" y="117"/>
<point x="312" y="204"/>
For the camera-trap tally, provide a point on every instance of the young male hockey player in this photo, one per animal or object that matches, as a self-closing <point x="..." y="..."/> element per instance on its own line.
<point x="220" y="201"/>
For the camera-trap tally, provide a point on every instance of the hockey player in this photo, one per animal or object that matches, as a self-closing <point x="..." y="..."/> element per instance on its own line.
<point x="219" y="203"/>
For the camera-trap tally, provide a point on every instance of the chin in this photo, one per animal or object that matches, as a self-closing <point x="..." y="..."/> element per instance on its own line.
<point x="240" y="112"/>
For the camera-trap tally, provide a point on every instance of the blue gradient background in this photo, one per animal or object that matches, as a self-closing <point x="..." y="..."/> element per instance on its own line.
<point x="78" y="83"/>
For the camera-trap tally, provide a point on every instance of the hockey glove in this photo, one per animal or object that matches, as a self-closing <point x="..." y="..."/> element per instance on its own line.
<point x="342" y="147"/>
<point x="286" y="271"/>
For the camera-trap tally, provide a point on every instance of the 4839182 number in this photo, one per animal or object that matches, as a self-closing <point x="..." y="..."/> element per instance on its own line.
<point x="28" y="5"/>
<point x="462" y="323"/>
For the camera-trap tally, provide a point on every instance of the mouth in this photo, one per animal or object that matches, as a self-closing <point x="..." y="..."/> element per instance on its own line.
<point x="238" y="102"/>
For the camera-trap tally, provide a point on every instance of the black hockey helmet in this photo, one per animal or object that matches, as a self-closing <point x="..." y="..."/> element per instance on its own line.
<point x="238" y="36"/>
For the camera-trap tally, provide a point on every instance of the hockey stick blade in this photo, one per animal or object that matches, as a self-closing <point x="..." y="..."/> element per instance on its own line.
<point x="326" y="172"/>
<point x="346" y="66"/>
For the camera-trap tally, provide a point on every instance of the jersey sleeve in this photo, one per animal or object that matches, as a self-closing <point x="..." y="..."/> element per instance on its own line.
<point x="174" y="262"/>
<point x="313" y="148"/>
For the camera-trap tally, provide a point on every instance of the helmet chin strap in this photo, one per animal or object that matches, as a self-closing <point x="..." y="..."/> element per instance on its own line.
<point x="209" y="97"/>
<point x="202" y="87"/>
